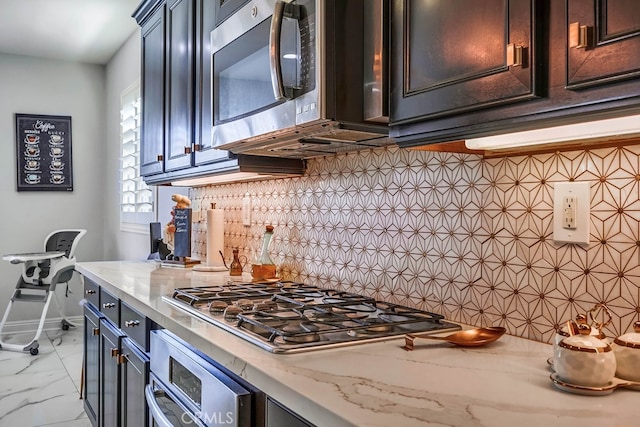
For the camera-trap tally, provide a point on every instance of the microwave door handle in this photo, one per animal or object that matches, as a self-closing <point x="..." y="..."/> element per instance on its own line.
<point x="277" y="81"/>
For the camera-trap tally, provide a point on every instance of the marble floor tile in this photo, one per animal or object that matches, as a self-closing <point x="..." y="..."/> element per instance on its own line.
<point x="43" y="390"/>
<point x="16" y="362"/>
<point x="84" y="422"/>
<point x="69" y="346"/>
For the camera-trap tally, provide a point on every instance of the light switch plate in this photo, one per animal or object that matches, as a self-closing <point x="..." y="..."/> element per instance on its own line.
<point x="578" y="193"/>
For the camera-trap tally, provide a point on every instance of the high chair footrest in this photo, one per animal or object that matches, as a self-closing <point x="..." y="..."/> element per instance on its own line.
<point x="19" y="296"/>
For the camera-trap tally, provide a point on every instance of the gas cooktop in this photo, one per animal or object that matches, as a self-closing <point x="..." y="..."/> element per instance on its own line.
<point x="288" y="317"/>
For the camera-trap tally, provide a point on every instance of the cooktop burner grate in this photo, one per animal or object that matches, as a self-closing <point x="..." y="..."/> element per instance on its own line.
<point x="287" y="317"/>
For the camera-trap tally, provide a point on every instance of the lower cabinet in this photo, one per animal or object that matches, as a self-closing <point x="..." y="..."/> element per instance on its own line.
<point x="91" y="368"/>
<point x="134" y="376"/>
<point x="110" y="390"/>
<point x="279" y="416"/>
<point x="116" y="364"/>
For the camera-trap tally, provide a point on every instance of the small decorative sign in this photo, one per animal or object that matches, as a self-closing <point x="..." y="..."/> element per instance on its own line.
<point x="182" y="236"/>
<point x="43" y="147"/>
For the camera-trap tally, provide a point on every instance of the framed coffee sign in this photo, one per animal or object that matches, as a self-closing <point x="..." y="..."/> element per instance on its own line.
<point x="43" y="147"/>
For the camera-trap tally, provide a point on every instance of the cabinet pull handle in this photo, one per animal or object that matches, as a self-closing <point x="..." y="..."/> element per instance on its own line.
<point x="187" y="149"/>
<point x="90" y="291"/>
<point x="114" y="352"/>
<point x="108" y="305"/>
<point x="578" y="35"/>
<point x="514" y="55"/>
<point x="122" y="359"/>
<point x="131" y="323"/>
<point x="197" y="147"/>
<point x="160" y="157"/>
<point x="96" y="331"/>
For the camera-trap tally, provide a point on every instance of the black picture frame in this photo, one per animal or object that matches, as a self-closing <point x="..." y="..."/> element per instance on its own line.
<point x="43" y="153"/>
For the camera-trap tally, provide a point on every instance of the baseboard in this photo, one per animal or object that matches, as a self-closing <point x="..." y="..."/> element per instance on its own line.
<point x="31" y="326"/>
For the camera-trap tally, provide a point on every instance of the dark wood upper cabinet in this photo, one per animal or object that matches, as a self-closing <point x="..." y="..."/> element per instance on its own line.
<point x="180" y="77"/>
<point x="603" y="42"/>
<point x="152" y="93"/>
<point x="452" y="56"/>
<point x="204" y="152"/>
<point x="176" y="85"/>
<point x="450" y="79"/>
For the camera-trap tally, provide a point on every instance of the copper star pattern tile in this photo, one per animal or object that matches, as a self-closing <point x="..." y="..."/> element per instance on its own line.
<point x="467" y="237"/>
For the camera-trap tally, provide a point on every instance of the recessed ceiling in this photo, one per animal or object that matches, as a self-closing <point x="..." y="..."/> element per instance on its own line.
<point x="89" y="31"/>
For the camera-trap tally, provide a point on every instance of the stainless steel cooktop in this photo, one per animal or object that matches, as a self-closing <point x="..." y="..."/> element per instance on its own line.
<point x="288" y="317"/>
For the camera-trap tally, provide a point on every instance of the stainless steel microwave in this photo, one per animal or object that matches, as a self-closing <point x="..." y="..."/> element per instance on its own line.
<point x="300" y="78"/>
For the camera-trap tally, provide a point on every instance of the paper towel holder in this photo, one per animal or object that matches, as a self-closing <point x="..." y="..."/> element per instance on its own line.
<point x="215" y="225"/>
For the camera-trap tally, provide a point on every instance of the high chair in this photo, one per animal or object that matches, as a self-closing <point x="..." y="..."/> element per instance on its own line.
<point x="41" y="273"/>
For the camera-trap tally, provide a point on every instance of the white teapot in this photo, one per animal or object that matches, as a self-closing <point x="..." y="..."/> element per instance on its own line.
<point x="627" y="351"/>
<point x="565" y="332"/>
<point x="585" y="360"/>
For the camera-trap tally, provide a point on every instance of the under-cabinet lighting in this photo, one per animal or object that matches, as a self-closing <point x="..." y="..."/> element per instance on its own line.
<point x="581" y="131"/>
<point x="220" y="179"/>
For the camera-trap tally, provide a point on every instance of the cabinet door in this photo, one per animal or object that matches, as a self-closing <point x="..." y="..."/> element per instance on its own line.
<point x="134" y="376"/>
<point x="452" y="56"/>
<point x="110" y="341"/>
<point x="179" y="84"/>
<point x="279" y="416"/>
<point x="603" y="41"/>
<point x="153" y="72"/>
<point x="91" y="366"/>
<point x="204" y="151"/>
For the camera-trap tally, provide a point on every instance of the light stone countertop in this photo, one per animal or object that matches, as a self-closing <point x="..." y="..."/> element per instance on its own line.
<point x="377" y="384"/>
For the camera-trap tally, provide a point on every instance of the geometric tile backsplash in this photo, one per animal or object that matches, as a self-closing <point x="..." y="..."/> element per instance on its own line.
<point x="452" y="233"/>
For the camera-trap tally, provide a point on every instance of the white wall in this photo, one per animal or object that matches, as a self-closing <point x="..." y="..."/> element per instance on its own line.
<point x="42" y="86"/>
<point x="90" y="94"/>
<point x="122" y="71"/>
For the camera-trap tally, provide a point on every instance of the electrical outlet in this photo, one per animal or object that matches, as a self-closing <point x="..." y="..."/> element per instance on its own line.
<point x="246" y="210"/>
<point x="569" y="209"/>
<point x="571" y="212"/>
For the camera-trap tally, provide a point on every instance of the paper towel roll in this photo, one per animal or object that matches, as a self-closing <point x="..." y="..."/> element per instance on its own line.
<point x="215" y="237"/>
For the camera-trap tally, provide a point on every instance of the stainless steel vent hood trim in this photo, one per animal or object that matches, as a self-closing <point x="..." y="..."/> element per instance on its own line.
<point x="236" y="168"/>
<point x="318" y="139"/>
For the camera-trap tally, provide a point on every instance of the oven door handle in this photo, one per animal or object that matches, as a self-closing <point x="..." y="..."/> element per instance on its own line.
<point x="156" y="412"/>
<point x="275" y="35"/>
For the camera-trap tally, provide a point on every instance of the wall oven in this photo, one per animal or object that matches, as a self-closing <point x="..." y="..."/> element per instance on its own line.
<point x="300" y="78"/>
<point x="186" y="389"/>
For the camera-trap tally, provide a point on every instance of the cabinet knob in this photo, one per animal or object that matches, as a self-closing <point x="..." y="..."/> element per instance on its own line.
<point x="578" y="35"/>
<point x="95" y="331"/>
<point x="187" y="150"/>
<point x="114" y="352"/>
<point x="108" y="305"/>
<point x="122" y="359"/>
<point x="90" y="292"/>
<point x="131" y="323"/>
<point x="197" y="147"/>
<point x="515" y="55"/>
<point x="160" y="157"/>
